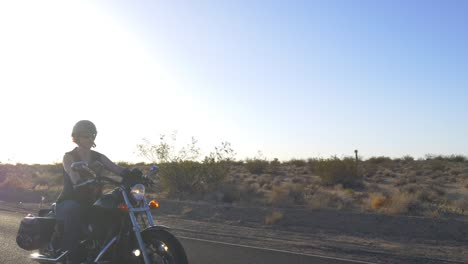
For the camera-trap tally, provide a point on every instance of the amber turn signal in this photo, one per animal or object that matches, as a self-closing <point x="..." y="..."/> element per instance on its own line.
<point x="123" y="207"/>
<point x="153" y="204"/>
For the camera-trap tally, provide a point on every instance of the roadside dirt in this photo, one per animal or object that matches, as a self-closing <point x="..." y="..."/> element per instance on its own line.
<point x="364" y="237"/>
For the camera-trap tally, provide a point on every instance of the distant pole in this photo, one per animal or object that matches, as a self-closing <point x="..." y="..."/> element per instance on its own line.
<point x="357" y="160"/>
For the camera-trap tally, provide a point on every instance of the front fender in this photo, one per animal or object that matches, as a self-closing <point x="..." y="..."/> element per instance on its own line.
<point x="155" y="228"/>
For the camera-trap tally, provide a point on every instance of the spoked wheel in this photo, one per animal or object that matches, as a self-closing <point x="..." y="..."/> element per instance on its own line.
<point x="163" y="248"/>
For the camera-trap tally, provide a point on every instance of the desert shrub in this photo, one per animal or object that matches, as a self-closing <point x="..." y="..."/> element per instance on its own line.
<point x="279" y="196"/>
<point x="379" y="160"/>
<point x="334" y="171"/>
<point x="185" y="178"/>
<point x="402" y="203"/>
<point x="297" y="162"/>
<point x="368" y="169"/>
<point x="436" y="165"/>
<point x="181" y="172"/>
<point x="256" y="166"/>
<point x="461" y="205"/>
<point x="264" y="180"/>
<point x="251" y="194"/>
<point x="311" y="164"/>
<point x="166" y="152"/>
<point x="51" y="169"/>
<point x="41" y="187"/>
<point x="16" y="182"/>
<point x="427" y="195"/>
<point x="274" y="166"/>
<point x="377" y="200"/>
<point x="229" y="193"/>
<point x="289" y="194"/>
<point x="273" y="218"/>
<point x="320" y="198"/>
<point x="180" y="178"/>
<point x="451" y="158"/>
<point x="408" y="158"/>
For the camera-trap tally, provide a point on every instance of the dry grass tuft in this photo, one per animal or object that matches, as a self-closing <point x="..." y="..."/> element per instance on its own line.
<point x="273" y="218"/>
<point x="286" y="195"/>
<point x="401" y="203"/>
<point x="377" y="201"/>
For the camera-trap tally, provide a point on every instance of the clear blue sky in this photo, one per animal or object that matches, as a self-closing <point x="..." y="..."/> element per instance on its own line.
<point x="293" y="79"/>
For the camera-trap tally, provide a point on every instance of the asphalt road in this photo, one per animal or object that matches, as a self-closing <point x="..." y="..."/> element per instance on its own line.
<point x="198" y="250"/>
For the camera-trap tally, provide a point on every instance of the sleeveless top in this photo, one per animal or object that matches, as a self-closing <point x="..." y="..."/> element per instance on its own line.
<point x="68" y="192"/>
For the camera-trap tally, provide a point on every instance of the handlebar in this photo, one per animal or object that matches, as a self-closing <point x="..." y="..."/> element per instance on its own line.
<point x="83" y="166"/>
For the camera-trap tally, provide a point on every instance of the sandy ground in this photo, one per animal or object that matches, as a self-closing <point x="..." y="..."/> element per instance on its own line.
<point x="366" y="237"/>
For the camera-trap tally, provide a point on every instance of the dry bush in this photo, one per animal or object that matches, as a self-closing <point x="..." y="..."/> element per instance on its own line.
<point x="404" y="180"/>
<point x="229" y="193"/>
<point x="274" y="167"/>
<point x="298" y="180"/>
<point x="334" y="171"/>
<point x="286" y="195"/>
<point x="264" y="180"/>
<point x="250" y="194"/>
<point x="16" y="182"/>
<point x="377" y="201"/>
<point x="337" y="198"/>
<point x="190" y="178"/>
<point x="379" y="160"/>
<point x="40" y="187"/>
<point x="408" y="158"/>
<point x="449" y="158"/>
<point x="368" y="169"/>
<point x="462" y="206"/>
<point x="256" y="166"/>
<point x="401" y="203"/>
<point x="437" y="165"/>
<point x="397" y="203"/>
<point x="311" y="164"/>
<point x="250" y="181"/>
<point x="297" y="162"/>
<point x="273" y="218"/>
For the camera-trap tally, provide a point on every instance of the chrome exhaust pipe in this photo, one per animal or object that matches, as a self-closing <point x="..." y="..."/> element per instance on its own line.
<point x="42" y="258"/>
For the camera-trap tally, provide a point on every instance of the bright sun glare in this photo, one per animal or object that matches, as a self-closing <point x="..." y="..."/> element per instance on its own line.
<point x="62" y="61"/>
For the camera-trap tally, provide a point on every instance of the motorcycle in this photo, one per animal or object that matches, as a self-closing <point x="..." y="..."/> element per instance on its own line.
<point x="119" y="229"/>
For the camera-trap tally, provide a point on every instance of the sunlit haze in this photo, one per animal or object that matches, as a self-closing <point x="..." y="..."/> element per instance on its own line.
<point x="292" y="79"/>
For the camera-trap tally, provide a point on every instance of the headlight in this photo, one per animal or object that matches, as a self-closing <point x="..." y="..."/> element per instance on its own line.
<point x="138" y="192"/>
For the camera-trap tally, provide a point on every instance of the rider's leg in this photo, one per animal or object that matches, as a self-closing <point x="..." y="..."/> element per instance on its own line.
<point x="70" y="212"/>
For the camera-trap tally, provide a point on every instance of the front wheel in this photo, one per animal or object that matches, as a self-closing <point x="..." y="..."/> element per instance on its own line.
<point x="163" y="248"/>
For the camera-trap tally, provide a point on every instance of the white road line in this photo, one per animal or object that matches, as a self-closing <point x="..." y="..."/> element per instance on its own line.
<point x="276" y="250"/>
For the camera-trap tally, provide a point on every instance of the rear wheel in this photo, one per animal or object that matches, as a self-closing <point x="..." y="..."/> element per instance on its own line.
<point x="163" y="248"/>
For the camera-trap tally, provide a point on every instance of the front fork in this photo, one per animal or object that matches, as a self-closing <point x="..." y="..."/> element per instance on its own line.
<point x="136" y="226"/>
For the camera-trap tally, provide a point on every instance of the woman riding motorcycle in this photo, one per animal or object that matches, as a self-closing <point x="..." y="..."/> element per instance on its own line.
<point x="74" y="198"/>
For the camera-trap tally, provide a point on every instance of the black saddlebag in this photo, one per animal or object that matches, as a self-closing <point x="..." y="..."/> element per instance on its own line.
<point x="34" y="232"/>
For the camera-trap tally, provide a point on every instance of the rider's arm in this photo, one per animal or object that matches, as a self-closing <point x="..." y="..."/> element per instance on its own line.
<point x="111" y="166"/>
<point x="67" y="162"/>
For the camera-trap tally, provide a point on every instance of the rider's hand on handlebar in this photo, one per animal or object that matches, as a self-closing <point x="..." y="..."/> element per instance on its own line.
<point x="125" y="173"/>
<point x="131" y="173"/>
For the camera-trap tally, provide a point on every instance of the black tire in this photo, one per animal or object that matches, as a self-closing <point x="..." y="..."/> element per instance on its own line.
<point x="163" y="247"/>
